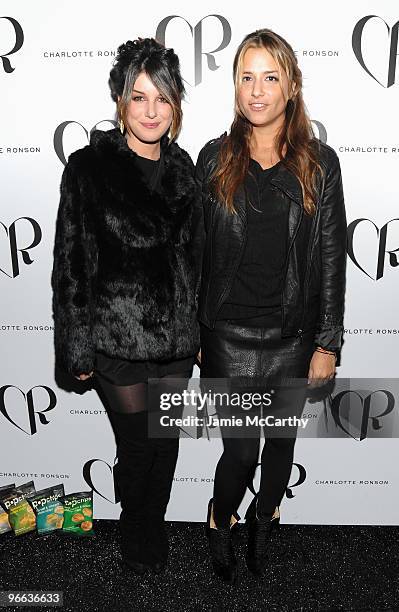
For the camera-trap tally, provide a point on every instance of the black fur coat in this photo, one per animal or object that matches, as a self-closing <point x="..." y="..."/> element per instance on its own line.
<point x="126" y="262"/>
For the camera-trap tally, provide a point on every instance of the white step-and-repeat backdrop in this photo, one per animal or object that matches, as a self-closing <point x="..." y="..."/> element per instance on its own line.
<point x="55" y="59"/>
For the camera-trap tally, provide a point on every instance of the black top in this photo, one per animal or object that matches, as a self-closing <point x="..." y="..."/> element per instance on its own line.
<point x="126" y="372"/>
<point x="257" y="286"/>
<point x="151" y="170"/>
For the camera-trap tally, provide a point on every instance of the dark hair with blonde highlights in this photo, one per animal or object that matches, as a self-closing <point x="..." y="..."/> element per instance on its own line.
<point x="294" y="144"/>
<point x="162" y="67"/>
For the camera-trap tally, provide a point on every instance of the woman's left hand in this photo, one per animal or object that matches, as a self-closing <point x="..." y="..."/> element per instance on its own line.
<point x="321" y="369"/>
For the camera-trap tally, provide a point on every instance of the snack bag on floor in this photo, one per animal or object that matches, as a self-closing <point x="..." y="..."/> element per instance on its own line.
<point x="20" y="513"/>
<point x="4" y="522"/>
<point x="48" y="509"/>
<point x="78" y="513"/>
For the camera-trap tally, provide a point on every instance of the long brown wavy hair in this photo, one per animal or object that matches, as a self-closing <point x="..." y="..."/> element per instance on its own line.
<point x="294" y="143"/>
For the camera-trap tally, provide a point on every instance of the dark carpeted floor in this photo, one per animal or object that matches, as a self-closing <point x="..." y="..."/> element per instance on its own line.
<point x="313" y="568"/>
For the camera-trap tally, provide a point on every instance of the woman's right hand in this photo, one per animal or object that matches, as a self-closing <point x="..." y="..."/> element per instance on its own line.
<point x="84" y="377"/>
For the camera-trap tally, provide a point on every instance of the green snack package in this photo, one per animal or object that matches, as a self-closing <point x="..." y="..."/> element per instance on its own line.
<point x="48" y="509"/>
<point x="20" y="514"/>
<point x="4" y="522"/>
<point x="78" y="513"/>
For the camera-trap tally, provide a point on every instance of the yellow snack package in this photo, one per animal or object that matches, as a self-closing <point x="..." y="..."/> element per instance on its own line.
<point x="4" y="522"/>
<point x="20" y="513"/>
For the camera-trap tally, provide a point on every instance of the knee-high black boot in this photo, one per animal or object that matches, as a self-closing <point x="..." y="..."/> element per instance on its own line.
<point x="135" y="458"/>
<point x="160" y="480"/>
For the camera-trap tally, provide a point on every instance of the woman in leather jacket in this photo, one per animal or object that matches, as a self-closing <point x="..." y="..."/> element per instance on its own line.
<point x="273" y="275"/>
<point x="125" y="283"/>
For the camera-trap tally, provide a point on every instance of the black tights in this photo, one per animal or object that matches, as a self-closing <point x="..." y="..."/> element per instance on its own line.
<point x="126" y="399"/>
<point x="236" y="468"/>
<point x="144" y="462"/>
<point x="145" y="468"/>
<point x="127" y="405"/>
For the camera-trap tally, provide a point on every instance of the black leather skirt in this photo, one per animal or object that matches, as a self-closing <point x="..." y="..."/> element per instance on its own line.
<point x="237" y="348"/>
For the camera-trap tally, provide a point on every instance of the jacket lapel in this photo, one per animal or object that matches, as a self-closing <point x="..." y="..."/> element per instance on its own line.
<point x="287" y="182"/>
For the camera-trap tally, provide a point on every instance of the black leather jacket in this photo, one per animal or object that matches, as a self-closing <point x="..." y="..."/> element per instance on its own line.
<point x="314" y="285"/>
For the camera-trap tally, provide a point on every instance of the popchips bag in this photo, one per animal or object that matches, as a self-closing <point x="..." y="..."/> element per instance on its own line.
<point x="4" y="522"/>
<point x="78" y="513"/>
<point x="48" y="509"/>
<point x="20" y="514"/>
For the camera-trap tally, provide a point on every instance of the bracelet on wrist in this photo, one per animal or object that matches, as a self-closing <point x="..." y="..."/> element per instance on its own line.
<point x="319" y="349"/>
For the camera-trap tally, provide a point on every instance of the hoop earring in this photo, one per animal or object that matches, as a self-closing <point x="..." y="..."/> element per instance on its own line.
<point x="121" y="126"/>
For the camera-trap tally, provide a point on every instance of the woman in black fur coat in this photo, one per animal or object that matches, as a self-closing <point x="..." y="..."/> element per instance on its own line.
<point x="125" y="279"/>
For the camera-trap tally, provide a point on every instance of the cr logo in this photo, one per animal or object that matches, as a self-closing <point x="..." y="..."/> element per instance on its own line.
<point x="321" y="130"/>
<point x="29" y="403"/>
<point x="384" y="404"/>
<point x="301" y="479"/>
<point x="196" y="33"/>
<point x="382" y="242"/>
<point x="13" y="244"/>
<point x="393" y="48"/>
<point x="59" y="136"/>
<point x="19" y="41"/>
<point x="88" y="476"/>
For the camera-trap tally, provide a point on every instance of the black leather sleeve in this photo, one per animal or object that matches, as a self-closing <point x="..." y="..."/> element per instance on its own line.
<point x="201" y="182"/>
<point x="333" y="238"/>
<point x="201" y="174"/>
<point x="198" y="227"/>
<point x="206" y="163"/>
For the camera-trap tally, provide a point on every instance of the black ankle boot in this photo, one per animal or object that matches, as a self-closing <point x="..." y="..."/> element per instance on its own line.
<point x="224" y="562"/>
<point x="259" y="532"/>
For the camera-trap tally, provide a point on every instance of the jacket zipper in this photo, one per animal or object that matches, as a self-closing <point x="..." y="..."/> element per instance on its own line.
<point x="305" y="285"/>
<point x="309" y="259"/>
<point x="211" y="253"/>
<point x="228" y="286"/>
<point x="286" y="264"/>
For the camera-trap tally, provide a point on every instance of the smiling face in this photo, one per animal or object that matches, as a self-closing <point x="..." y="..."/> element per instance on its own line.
<point x="262" y="89"/>
<point x="148" y="114"/>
